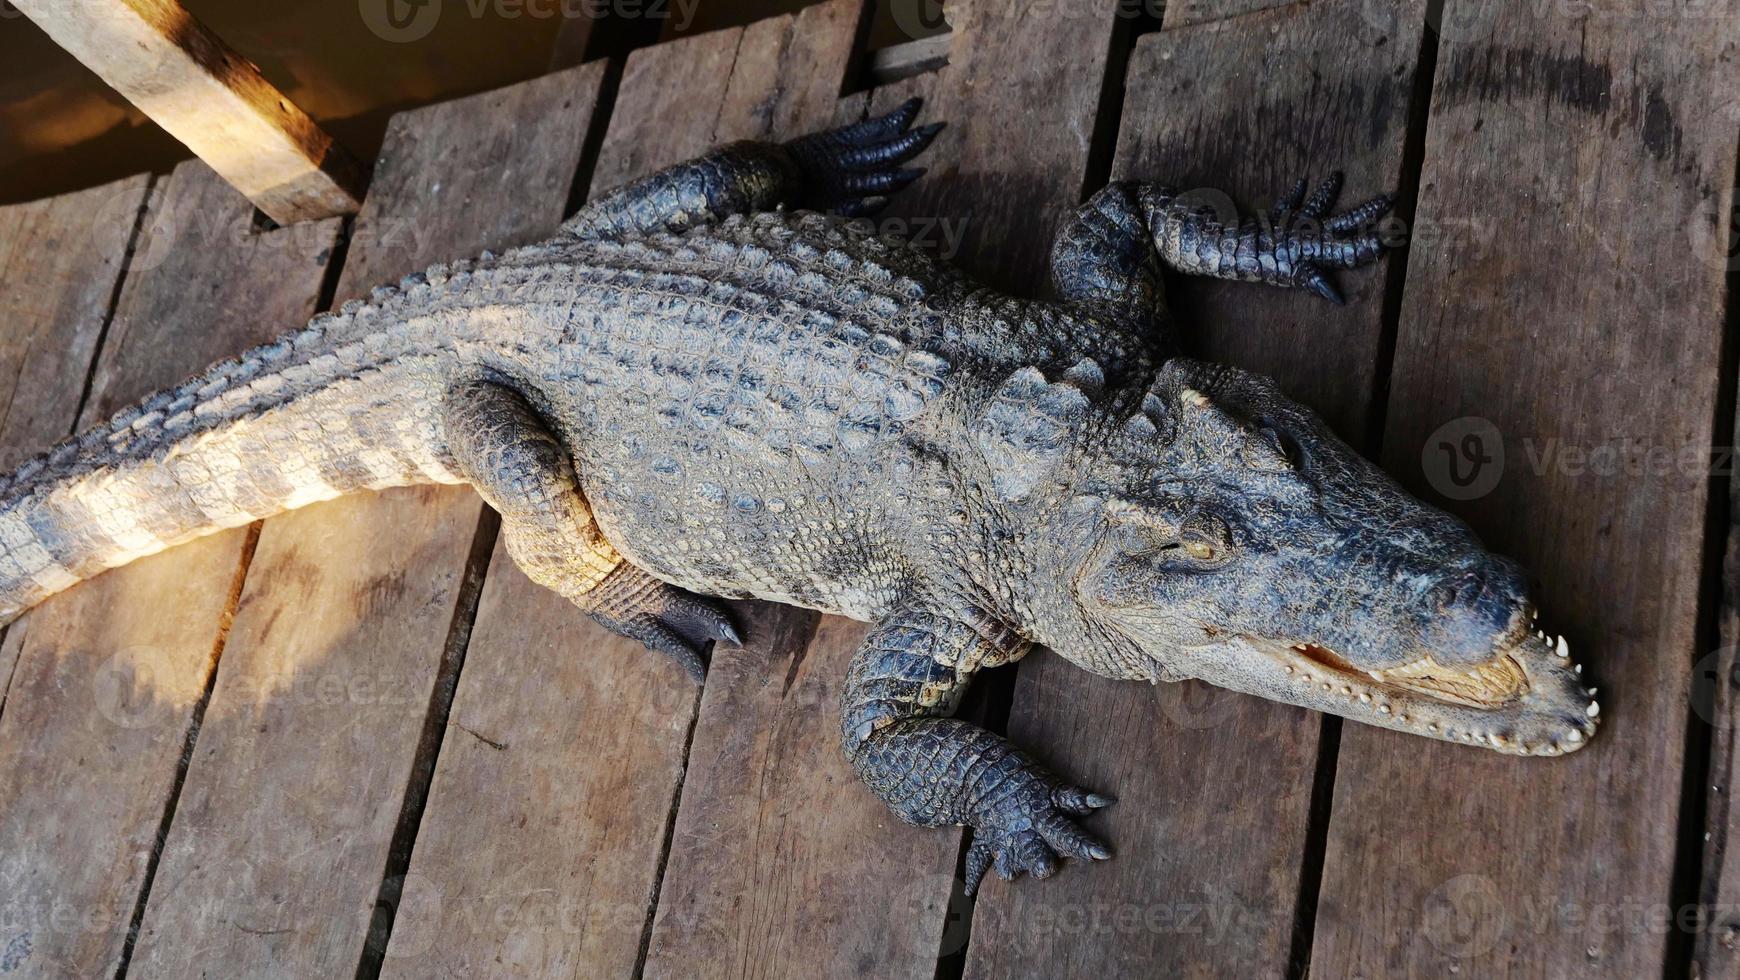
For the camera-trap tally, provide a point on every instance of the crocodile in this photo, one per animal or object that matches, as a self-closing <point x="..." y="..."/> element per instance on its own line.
<point x="717" y="382"/>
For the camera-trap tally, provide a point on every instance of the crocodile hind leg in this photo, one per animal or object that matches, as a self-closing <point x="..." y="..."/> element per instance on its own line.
<point x="500" y="445"/>
<point x="848" y="171"/>
<point x="936" y="771"/>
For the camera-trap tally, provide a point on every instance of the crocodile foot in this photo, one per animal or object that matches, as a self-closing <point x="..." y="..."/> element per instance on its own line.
<point x="1028" y="828"/>
<point x="851" y="170"/>
<point x="669" y="620"/>
<point x="1303" y="239"/>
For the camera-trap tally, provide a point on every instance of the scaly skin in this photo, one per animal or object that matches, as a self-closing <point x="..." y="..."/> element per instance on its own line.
<point x="693" y="392"/>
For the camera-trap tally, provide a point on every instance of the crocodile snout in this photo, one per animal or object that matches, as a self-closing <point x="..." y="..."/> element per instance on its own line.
<point x="1472" y="613"/>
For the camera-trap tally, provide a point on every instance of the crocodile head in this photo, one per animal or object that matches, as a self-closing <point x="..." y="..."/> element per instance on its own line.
<point x="1228" y="535"/>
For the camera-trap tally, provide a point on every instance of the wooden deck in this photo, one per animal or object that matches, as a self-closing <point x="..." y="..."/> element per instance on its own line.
<point x="355" y="740"/>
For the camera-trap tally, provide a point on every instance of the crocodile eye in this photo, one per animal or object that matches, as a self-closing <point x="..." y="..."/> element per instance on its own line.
<point x="1200" y="550"/>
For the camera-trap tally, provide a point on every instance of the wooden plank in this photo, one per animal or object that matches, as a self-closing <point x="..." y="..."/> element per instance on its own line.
<point x="1021" y="95"/>
<point x="1716" y="949"/>
<point x="752" y="857"/>
<point x="294" y="792"/>
<point x="1571" y="327"/>
<point x="1187" y="13"/>
<point x="60" y="261"/>
<point x="193" y="85"/>
<point x="563" y="887"/>
<point x="1206" y="881"/>
<point x="112" y="673"/>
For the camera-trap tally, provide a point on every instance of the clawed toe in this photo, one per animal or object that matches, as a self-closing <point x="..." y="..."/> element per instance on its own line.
<point x="1313" y="240"/>
<point x="1035" y="838"/>
<point x="850" y="170"/>
<point x="663" y="617"/>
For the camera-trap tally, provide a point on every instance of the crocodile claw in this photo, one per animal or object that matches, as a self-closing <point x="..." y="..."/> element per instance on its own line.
<point x="667" y="619"/>
<point x="1030" y="831"/>
<point x="1303" y="240"/>
<point x="850" y="170"/>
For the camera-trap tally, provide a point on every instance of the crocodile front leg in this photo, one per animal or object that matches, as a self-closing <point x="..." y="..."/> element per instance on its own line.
<point x="933" y="770"/>
<point x="519" y="467"/>
<point x="1113" y="248"/>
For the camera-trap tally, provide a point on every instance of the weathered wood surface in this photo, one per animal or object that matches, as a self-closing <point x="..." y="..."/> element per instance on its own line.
<point x="588" y="805"/>
<point x="1571" y="301"/>
<point x="60" y="261"/>
<point x="901" y="61"/>
<point x="1022" y="95"/>
<point x="294" y="793"/>
<point x="1214" y="788"/>
<point x="113" y="673"/>
<point x="193" y="85"/>
<point x="541" y="843"/>
<point x="1187" y="13"/>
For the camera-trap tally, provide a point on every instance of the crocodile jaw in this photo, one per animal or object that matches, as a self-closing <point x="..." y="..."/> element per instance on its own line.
<point x="1528" y="699"/>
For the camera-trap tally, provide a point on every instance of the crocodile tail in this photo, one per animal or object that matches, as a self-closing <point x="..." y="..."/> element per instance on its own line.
<point x="305" y="419"/>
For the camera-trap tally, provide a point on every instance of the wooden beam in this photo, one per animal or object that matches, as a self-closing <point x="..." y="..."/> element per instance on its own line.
<point x="898" y="61"/>
<point x="193" y="85"/>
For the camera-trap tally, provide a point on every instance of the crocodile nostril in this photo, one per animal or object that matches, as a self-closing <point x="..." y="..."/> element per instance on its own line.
<point x="1457" y="590"/>
<point x="1471" y="612"/>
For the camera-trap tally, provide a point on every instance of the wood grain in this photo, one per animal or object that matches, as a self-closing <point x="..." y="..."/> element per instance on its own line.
<point x="60" y="261"/>
<point x="1214" y="788"/>
<point x="275" y="857"/>
<point x="546" y="821"/>
<point x="1550" y="306"/>
<point x="189" y="82"/>
<point x="1021" y="95"/>
<point x="1188" y="13"/>
<point x="112" y="672"/>
<point x="782" y="864"/>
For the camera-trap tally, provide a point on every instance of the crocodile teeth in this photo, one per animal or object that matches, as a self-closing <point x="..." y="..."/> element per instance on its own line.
<point x="1563" y="649"/>
<point x="1594" y="709"/>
